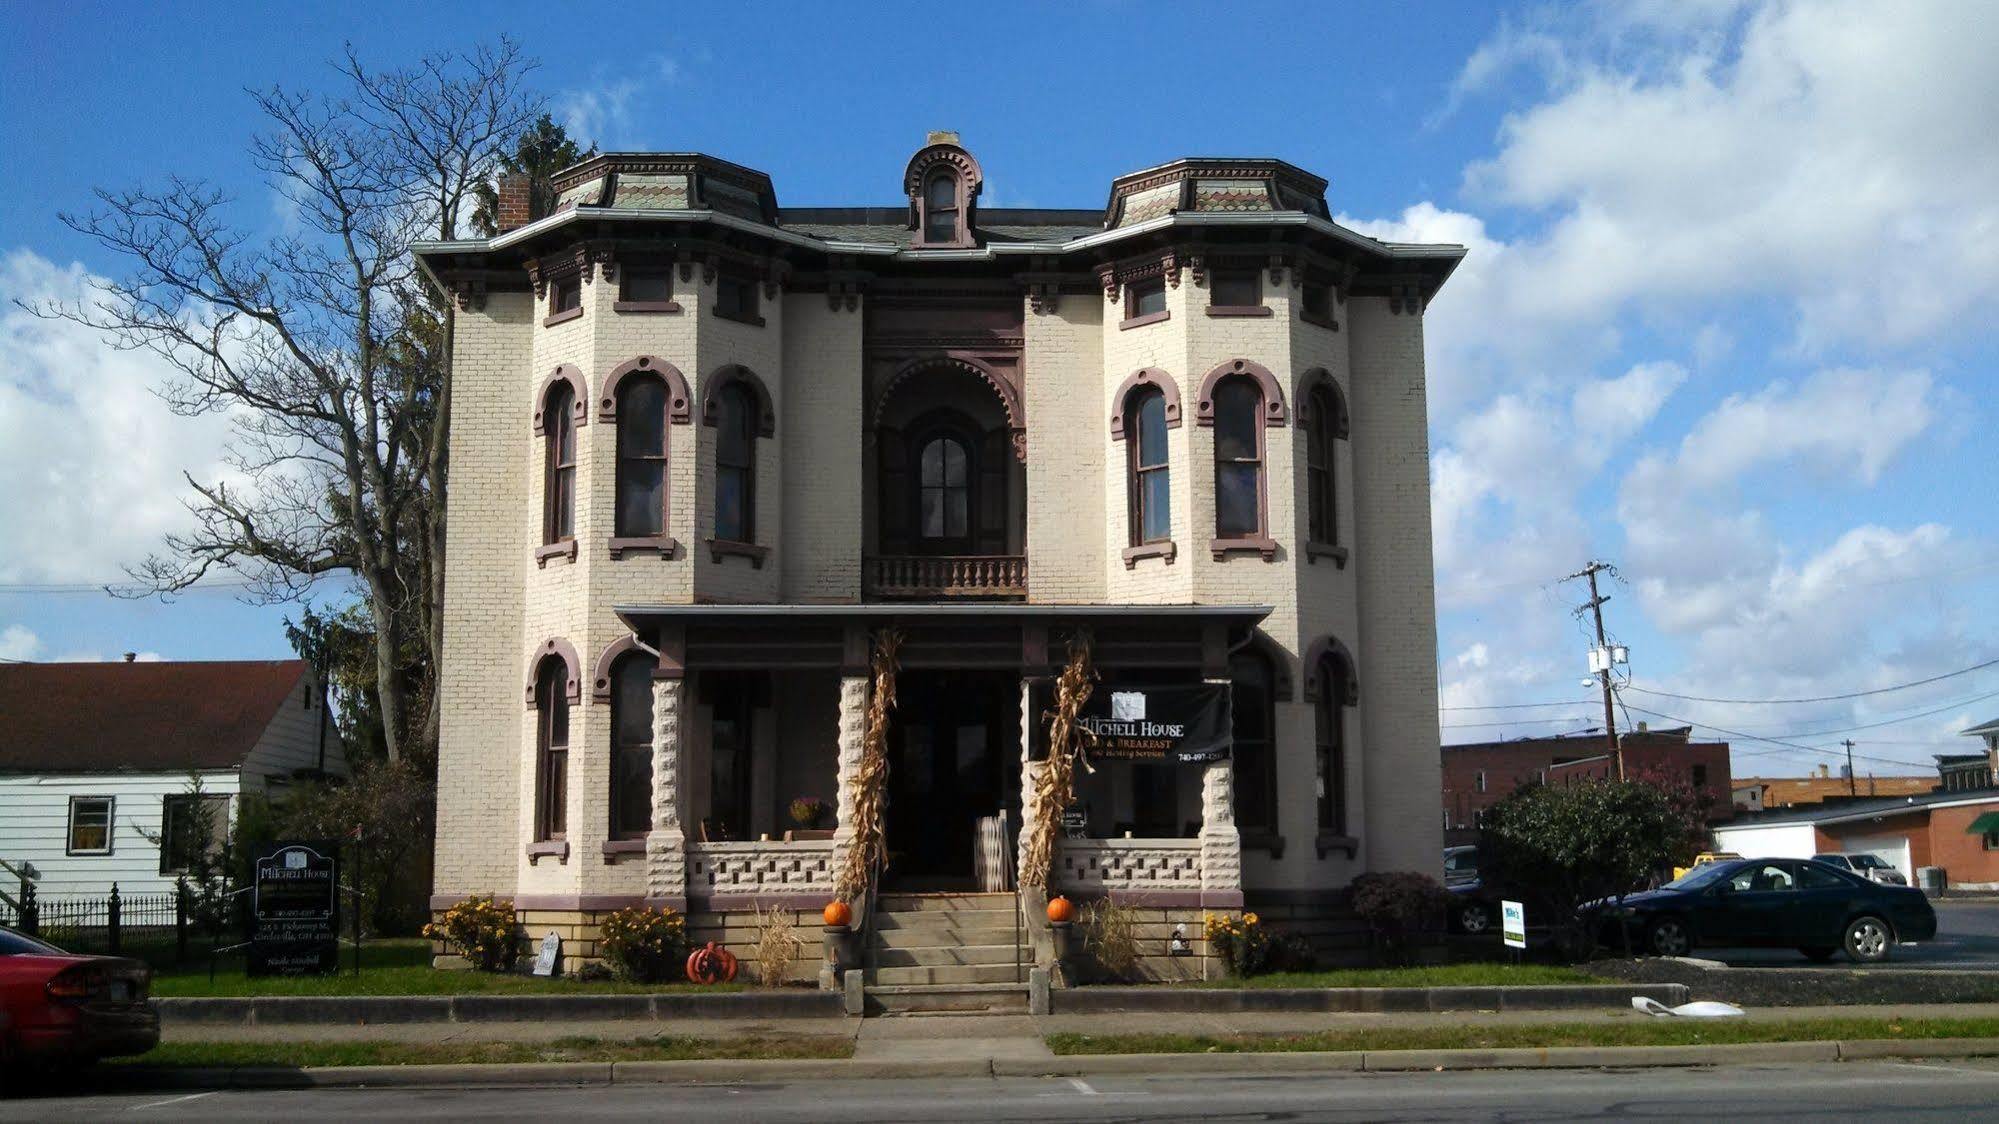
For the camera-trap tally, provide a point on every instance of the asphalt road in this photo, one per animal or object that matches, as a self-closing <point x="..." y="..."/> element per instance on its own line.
<point x="1870" y="1091"/>
<point x="1967" y="937"/>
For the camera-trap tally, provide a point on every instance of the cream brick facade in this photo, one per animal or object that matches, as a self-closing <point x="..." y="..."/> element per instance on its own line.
<point x="844" y="296"/>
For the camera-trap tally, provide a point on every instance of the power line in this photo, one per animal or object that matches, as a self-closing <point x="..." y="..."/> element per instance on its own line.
<point x="1818" y="698"/>
<point x="1509" y="722"/>
<point x="1815" y="750"/>
<point x="1952" y="705"/>
<point x="1517" y="706"/>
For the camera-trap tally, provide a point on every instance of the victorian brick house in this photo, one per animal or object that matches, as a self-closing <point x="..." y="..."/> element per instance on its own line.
<point x="705" y="446"/>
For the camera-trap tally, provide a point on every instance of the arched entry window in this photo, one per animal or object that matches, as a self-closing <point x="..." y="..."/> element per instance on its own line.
<point x="551" y="774"/>
<point x="1253" y="705"/>
<point x="944" y="491"/>
<point x="631" y="746"/>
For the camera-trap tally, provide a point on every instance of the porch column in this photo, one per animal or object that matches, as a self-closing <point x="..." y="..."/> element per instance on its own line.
<point x="666" y="844"/>
<point x="1221" y="844"/>
<point x="1030" y="776"/>
<point x="853" y="718"/>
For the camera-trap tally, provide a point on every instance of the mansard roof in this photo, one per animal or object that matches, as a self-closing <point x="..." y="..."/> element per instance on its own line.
<point x="1245" y="206"/>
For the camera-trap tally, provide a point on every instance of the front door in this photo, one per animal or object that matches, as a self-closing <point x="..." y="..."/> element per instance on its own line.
<point x="953" y="743"/>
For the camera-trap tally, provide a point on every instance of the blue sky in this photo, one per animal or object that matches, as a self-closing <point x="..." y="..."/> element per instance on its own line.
<point x="1726" y="322"/>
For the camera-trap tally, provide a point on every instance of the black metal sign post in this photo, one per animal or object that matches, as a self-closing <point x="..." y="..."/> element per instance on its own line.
<point x="295" y="911"/>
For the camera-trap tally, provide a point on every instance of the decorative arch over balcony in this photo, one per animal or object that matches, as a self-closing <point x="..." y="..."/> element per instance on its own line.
<point x="736" y="372"/>
<point x="1323" y="649"/>
<point x="600" y="677"/>
<point x="572" y="676"/>
<point x="1273" y="395"/>
<point x="1009" y="397"/>
<point x="579" y="398"/>
<point x="679" y="405"/>
<point x="1308" y="384"/>
<point x="1149" y="376"/>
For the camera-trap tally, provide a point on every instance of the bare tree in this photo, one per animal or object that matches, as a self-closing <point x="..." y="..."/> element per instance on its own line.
<point x="321" y="344"/>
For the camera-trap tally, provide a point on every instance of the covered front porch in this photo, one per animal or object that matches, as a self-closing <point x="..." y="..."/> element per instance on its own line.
<point x="758" y="707"/>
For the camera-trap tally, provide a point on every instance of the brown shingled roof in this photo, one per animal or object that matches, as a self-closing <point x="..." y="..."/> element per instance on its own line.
<point x="140" y="717"/>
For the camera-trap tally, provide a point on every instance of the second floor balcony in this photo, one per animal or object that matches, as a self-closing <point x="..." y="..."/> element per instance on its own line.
<point x="927" y="577"/>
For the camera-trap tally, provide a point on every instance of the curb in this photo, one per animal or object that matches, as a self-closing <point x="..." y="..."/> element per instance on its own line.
<point x="1362" y="1000"/>
<point x="324" y="1010"/>
<point x="726" y="1072"/>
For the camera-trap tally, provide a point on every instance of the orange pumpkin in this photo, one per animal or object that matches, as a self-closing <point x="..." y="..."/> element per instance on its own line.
<point x="1061" y="910"/>
<point x="839" y="913"/>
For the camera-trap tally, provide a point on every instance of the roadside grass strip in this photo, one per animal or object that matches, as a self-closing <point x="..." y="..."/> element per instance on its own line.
<point x="662" y="1048"/>
<point x="393" y="967"/>
<point x="1649" y="1032"/>
<point x="1440" y="975"/>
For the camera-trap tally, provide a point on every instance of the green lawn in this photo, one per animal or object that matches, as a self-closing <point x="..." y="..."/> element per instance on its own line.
<point x="388" y="967"/>
<point x="1439" y="975"/>
<point x="663" y="1048"/>
<point x="1634" y="1032"/>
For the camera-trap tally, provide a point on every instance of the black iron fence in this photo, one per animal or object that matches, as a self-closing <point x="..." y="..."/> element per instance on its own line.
<point x="172" y="926"/>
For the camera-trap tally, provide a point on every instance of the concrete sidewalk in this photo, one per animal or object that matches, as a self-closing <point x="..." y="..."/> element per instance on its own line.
<point x="1001" y="1037"/>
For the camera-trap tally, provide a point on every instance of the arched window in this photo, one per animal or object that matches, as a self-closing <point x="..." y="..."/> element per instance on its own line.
<point x="551" y="743"/>
<point x="559" y="464"/>
<point x="1329" y="751"/>
<point x="1325" y="425"/>
<point x="940" y="208"/>
<point x="944" y="491"/>
<point x="641" y="505"/>
<point x="1238" y="459"/>
<point x="631" y="746"/>
<point x="1253" y="705"/>
<point x="735" y="463"/>
<point x="1150" y="483"/>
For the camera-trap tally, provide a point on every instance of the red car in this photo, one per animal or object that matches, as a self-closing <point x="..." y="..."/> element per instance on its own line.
<point x="59" y="1008"/>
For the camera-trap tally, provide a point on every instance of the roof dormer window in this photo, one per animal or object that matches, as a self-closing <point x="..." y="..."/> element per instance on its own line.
<point x="943" y="182"/>
<point x="940" y="208"/>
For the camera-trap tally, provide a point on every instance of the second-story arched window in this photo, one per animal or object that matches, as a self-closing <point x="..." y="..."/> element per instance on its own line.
<point x="551" y="773"/>
<point x="1329" y="756"/>
<point x="1238" y="458"/>
<point x="631" y="746"/>
<point x="1151" y="485"/>
<point x="944" y="491"/>
<point x="940" y="208"/>
<point x="559" y="464"/>
<point x="641" y="503"/>
<point x="735" y="463"/>
<point x="1326" y="424"/>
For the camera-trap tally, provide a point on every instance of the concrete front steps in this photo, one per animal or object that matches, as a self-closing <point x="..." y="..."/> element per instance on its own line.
<point x="946" y="952"/>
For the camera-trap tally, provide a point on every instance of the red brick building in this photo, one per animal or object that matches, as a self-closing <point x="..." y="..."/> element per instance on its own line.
<point x="1478" y="775"/>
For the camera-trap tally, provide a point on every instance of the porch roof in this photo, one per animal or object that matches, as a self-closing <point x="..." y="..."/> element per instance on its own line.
<point x="1012" y="612"/>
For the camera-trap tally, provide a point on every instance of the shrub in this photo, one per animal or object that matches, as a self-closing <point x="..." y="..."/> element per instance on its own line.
<point x="1243" y="942"/>
<point x="777" y="944"/>
<point x="481" y="929"/>
<point x="1398" y="905"/>
<point x="643" y="945"/>
<point x="1112" y="931"/>
<point x="1290" y="952"/>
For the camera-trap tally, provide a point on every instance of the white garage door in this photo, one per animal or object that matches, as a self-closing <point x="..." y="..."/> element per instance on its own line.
<point x="1893" y="850"/>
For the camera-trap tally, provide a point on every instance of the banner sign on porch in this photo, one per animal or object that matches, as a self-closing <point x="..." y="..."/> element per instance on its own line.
<point x="294" y="913"/>
<point x="1181" y="724"/>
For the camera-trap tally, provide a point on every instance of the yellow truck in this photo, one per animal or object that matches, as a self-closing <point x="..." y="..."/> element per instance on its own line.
<point x="1701" y="860"/>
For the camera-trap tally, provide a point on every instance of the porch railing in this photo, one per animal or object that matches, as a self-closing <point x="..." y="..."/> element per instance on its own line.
<point x="1116" y="866"/>
<point x="946" y="575"/>
<point x="721" y="869"/>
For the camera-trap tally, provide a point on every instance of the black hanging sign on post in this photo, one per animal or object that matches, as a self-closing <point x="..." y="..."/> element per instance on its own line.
<point x="1180" y="724"/>
<point x="295" y="911"/>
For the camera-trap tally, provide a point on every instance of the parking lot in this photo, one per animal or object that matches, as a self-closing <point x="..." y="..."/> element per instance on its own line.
<point x="1967" y="937"/>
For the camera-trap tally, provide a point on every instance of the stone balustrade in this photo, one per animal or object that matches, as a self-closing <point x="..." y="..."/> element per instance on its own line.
<point x="946" y="575"/>
<point x="1125" y="866"/>
<point x="774" y="867"/>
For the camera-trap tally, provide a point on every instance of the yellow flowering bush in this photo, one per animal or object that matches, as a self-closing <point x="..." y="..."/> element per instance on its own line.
<point x="481" y="929"/>
<point x="1242" y="941"/>
<point x="643" y="945"/>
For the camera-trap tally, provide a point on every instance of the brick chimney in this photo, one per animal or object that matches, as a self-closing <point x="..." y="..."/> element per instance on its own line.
<point x="516" y="200"/>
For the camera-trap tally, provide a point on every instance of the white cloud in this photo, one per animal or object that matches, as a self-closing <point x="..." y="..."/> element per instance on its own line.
<point x="19" y="642"/>
<point x="90" y="458"/>
<point x="601" y="114"/>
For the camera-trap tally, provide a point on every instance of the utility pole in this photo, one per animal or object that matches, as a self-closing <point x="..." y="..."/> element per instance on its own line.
<point x="1595" y="606"/>
<point x="1851" y="788"/>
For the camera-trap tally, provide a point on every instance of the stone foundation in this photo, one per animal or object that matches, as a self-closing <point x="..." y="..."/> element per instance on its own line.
<point x="734" y="930"/>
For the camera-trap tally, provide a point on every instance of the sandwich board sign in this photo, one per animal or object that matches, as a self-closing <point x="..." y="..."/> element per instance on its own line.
<point x="1513" y="924"/>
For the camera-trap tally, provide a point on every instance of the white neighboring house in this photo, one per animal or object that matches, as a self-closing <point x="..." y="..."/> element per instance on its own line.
<point x="96" y="759"/>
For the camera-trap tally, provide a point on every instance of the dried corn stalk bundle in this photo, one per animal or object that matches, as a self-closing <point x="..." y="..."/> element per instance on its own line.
<point x="1055" y="785"/>
<point x="868" y="849"/>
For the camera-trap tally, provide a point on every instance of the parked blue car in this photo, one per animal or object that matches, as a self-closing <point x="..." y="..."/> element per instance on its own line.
<point x="1773" y="903"/>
